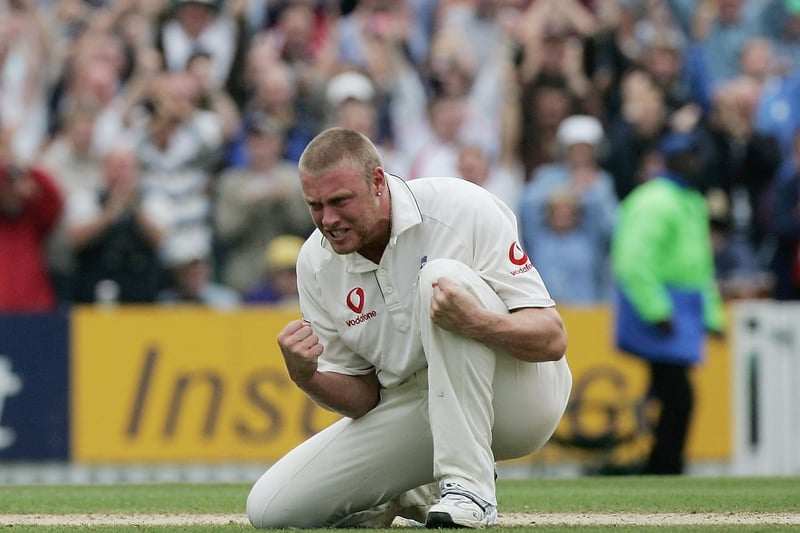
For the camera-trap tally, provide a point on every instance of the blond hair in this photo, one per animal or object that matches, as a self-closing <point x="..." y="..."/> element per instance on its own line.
<point x="337" y="146"/>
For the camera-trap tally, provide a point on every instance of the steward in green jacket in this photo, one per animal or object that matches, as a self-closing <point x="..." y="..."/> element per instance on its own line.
<point x="661" y="250"/>
<point x="667" y="295"/>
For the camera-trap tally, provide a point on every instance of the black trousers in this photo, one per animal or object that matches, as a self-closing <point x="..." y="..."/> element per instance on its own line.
<point x="671" y="388"/>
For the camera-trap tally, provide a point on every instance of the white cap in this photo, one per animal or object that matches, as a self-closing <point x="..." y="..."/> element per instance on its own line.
<point x="347" y="85"/>
<point x="580" y="129"/>
<point x="183" y="247"/>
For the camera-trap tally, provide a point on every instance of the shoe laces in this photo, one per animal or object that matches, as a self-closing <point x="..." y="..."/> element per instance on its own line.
<point x="454" y="489"/>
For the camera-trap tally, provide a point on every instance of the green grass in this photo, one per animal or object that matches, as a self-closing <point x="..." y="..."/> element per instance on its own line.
<point x="683" y="495"/>
<point x="652" y="494"/>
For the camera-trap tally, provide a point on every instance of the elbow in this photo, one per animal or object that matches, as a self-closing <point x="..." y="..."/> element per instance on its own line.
<point x="551" y="349"/>
<point x="557" y="347"/>
<point x="356" y="412"/>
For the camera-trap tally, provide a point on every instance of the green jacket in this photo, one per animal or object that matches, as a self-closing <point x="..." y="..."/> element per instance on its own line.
<point x="661" y="240"/>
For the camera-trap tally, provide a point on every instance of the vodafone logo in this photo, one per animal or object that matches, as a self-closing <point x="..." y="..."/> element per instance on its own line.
<point x="516" y="255"/>
<point x="355" y="300"/>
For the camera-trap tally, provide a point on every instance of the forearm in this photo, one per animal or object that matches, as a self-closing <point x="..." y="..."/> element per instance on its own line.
<point x="350" y="396"/>
<point x="153" y="232"/>
<point x="530" y="334"/>
<point x="222" y="104"/>
<point x="82" y="235"/>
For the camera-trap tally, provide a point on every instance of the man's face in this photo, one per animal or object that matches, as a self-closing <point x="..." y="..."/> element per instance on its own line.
<point x="194" y="18"/>
<point x="348" y="210"/>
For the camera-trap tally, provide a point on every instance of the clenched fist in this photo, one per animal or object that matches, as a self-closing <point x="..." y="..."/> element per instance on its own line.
<point x="453" y="307"/>
<point x="301" y="349"/>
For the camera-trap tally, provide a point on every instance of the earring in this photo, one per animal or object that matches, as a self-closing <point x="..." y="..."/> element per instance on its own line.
<point x="380" y="193"/>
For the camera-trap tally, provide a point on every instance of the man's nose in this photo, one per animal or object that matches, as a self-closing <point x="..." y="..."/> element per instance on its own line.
<point x="329" y="216"/>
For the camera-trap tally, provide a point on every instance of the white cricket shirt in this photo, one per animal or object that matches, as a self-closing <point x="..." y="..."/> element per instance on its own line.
<point x="362" y="312"/>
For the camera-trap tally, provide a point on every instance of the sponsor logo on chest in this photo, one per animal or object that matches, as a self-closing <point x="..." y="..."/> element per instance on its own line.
<point x="355" y="301"/>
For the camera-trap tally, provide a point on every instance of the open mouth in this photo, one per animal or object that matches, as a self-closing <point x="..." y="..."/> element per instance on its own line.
<point x="337" y="234"/>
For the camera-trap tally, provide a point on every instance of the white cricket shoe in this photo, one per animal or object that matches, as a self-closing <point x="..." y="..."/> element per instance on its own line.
<point x="459" y="508"/>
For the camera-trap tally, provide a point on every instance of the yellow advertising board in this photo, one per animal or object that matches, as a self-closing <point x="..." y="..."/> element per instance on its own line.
<point x="152" y="384"/>
<point x="184" y="384"/>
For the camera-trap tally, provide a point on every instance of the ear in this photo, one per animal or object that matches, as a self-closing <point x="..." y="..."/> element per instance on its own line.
<point x="379" y="181"/>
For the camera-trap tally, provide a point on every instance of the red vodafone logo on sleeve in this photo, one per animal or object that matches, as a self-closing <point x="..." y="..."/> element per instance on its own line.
<point x="519" y="258"/>
<point x="355" y="299"/>
<point x="517" y="255"/>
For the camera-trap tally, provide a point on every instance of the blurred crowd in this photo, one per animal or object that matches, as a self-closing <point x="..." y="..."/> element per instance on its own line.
<point x="149" y="147"/>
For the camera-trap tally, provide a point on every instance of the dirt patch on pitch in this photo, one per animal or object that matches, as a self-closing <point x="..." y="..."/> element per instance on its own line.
<point x="505" y="519"/>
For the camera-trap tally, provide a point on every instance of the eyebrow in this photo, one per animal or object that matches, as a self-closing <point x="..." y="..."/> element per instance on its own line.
<point x="337" y="196"/>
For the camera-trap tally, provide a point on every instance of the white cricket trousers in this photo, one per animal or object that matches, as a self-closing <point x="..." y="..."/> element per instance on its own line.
<point x="471" y="407"/>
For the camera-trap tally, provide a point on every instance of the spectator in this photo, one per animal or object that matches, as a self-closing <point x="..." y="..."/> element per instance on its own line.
<point x="478" y="165"/>
<point x="353" y="102"/>
<point x="552" y="48"/>
<point x="199" y="26"/>
<point x="189" y="263"/>
<point x="570" y="251"/>
<point x="117" y="232"/>
<point x="787" y="39"/>
<point x="71" y="157"/>
<point x="438" y="145"/>
<point x="551" y="75"/>
<point x="542" y="109"/>
<point x="457" y="68"/>
<point x="179" y="146"/>
<point x="275" y="93"/>
<point x="435" y="106"/>
<point x="572" y="204"/>
<point x="745" y="161"/>
<point x="425" y="123"/>
<point x="75" y="166"/>
<point x="758" y="62"/>
<point x="30" y="205"/>
<point x="676" y="71"/>
<point x="633" y="134"/>
<point x="778" y="110"/>
<point x="356" y="31"/>
<point x="736" y="265"/>
<point x="722" y="28"/>
<point x="785" y="226"/>
<point x="212" y="97"/>
<point x="301" y="39"/>
<point x="300" y="34"/>
<point x="24" y="53"/>
<point x="667" y="298"/>
<point x="613" y="49"/>
<point x="257" y="203"/>
<point x="279" y="282"/>
<point x="93" y="75"/>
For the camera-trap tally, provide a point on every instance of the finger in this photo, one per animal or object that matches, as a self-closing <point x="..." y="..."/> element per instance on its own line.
<point x="292" y="327"/>
<point x="444" y="284"/>
<point x="307" y="340"/>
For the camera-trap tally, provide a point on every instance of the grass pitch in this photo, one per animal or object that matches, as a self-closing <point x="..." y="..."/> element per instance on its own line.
<point x="585" y="497"/>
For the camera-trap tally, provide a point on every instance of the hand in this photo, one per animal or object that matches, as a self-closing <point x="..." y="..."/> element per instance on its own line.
<point x="452" y="307"/>
<point x="301" y="349"/>
<point x="121" y="198"/>
<point x="685" y="118"/>
<point x="665" y="327"/>
<point x="25" y="186"/>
